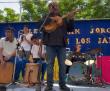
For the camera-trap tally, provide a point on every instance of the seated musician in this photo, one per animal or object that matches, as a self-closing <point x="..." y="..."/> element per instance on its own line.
<point x="38" y="54"/>
<point x="76" y="56"/>
<point x="8" y="45"/>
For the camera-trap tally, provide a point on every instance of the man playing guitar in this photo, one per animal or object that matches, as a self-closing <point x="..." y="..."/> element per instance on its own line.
<point x="54" y="31"/>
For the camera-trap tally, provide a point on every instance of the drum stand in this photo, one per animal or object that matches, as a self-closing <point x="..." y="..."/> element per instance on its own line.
<point x="88" y="72"/>
<point x="100" y="83"/>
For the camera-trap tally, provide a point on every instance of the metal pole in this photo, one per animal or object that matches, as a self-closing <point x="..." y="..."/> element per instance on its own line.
<point x="20" y="11"/>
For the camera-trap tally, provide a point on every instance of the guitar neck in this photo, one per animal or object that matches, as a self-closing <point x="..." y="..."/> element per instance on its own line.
<point x="72" y="12"/>
<point x="64" y="16"/>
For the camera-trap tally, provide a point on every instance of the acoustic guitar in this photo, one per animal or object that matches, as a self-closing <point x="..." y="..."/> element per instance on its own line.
<point x="58" y="21"/>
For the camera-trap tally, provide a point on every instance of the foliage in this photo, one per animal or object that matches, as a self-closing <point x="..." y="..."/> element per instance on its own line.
<point x="33" y="10"/>
<point x="10" y="15"/>
<point x="1" y="16"/>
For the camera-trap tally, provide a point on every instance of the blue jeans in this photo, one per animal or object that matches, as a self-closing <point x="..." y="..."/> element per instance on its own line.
<point x="20" y="67"/>
<point x="52" y="52"/>
<point x="17" y="67"/>
<point x="44" y="66"/>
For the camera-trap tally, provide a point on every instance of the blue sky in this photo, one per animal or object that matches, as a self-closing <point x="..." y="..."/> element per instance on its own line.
<point x="14" y="6"/>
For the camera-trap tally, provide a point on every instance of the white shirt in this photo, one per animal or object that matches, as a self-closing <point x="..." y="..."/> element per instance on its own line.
<point x="8" y="47"/>
<point x="34" y="51"/>
<point x="24" y="43"/>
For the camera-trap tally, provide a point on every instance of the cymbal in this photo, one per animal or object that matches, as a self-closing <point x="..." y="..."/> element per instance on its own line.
<point x="95" y="51"/>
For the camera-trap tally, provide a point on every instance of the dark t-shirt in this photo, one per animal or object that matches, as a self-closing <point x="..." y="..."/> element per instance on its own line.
<point x="58" y="36"/>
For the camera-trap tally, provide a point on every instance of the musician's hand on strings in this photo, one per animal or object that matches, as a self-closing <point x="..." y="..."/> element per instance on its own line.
<point x="59" y="20"/>
<point x="71" y="15"/>
<point x="53" y="18"/>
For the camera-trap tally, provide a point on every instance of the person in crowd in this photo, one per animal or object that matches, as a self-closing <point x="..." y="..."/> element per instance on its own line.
<point x="38" y="54"/>
<point x="8" y="47"/>
<point x="44" y="63"/>
<point x="54" y="39"/>
<point x="36" y="49"/>
<point x="25" y="41"/>
<point x="24" y="48"/>
<point x="74" y="57"/>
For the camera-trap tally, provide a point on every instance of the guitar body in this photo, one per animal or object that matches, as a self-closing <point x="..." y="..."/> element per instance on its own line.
<point x="50" y="27"/>
<point x="57" y="21"/>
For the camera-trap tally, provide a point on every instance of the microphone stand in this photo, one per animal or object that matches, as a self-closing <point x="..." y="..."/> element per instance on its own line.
<point x="101" y="79"/>
<point x="14" y="68"/>
<point x="44" y="22"/>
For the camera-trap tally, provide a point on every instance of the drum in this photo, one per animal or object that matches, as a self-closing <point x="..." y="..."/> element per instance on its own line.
<point x="75" y="57"/>
<point x="32" y="73"/>
<point x="68" y="62"/>
<point x="89" y="62"/>
<point x="6" y="73"/>
<point x="78" y="71"/>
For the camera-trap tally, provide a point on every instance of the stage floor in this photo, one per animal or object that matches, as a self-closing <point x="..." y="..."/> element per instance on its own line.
<point x="56" y="88"/>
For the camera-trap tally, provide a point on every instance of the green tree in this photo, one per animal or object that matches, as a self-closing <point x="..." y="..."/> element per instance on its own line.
<point x="1" y="16"/>
<point x="10" y="15"/>
<point x="106" y="9"/>
<point x="69" y="5"/>
<point x="97" y="9"/>
<point x="33" y="9"/>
